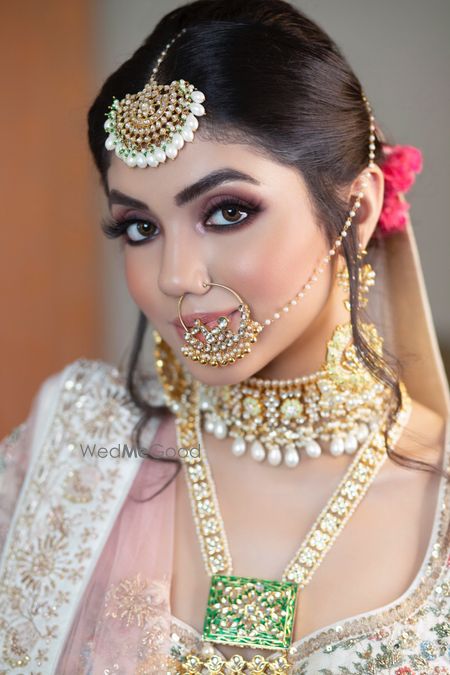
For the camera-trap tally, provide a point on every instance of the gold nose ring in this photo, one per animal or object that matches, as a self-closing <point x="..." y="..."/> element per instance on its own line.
<point x="221" y="346"/>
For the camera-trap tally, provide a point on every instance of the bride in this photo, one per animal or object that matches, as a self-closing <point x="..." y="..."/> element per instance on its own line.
<point x="265" y="489"/>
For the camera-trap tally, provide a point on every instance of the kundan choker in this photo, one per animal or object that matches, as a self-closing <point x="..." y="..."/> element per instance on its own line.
<point x="279" y="420"/>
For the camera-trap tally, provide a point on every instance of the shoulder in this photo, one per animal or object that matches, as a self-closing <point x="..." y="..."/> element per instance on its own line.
<point x="80" y="376"/>
<point x="422" y="439"/>
<point x="83" y="371"/>
<point x="86" y="393"/>
<point x="93" y="390"/>
<point x="85" y="383"/>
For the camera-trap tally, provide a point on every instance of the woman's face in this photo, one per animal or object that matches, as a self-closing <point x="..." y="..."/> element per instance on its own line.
<point x="226" y="214"/>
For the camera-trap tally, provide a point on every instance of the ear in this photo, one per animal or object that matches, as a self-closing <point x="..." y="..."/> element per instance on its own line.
<point x="371" y="203"/>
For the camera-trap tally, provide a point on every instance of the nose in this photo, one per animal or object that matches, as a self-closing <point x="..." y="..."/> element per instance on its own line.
<point x="182" y="267"/>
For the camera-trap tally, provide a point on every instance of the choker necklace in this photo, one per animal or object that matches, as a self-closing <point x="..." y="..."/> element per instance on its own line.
<point x="280" y="420"/>
<point x="249" y="611"/>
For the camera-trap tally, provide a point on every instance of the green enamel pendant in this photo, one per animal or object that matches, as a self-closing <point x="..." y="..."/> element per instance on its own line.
<point x="250" y="612"/>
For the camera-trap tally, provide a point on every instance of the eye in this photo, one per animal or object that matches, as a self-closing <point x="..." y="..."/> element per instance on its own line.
<point x="139" y="230"/>
<point x="135" y="231"/>
<point x="231" y="213"/>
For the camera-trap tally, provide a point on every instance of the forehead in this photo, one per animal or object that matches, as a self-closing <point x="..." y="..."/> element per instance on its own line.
<point x="194" y="161"/>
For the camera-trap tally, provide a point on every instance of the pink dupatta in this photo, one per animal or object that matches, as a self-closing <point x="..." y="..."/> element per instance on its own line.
<point x="126" y="606"/>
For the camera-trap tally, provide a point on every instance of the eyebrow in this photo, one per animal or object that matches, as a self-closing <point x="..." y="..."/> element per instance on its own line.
<point x="190" y="192"/>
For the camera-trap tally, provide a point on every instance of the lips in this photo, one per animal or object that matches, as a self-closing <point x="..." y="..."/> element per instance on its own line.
<point x="206" y="318"/>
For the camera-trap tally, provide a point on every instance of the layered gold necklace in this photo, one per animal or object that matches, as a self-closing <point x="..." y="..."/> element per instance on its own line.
<point x="249" y="611"/>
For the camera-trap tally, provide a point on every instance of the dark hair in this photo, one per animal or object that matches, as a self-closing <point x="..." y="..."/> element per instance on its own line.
<point x="275" y="80"/>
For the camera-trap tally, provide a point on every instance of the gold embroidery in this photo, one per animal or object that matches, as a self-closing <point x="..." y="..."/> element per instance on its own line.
<point x="258" y="665"/>
<point x="48" y="555"/>
<point x="134" y="600"/>
<point x="413" y="602"/>
<point x="16" y="644"/>
<point x="31" y="616"/>
<point x="155" y="664"/>
<point x="41" y="563"/>
<point x="79" y="486"/>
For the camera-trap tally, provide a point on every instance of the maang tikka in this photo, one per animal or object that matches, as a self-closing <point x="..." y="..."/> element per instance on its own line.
<point x="146" y="127"/>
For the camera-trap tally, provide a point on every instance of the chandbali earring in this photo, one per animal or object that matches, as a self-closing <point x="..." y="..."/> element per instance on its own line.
<point x="366" y="275"/>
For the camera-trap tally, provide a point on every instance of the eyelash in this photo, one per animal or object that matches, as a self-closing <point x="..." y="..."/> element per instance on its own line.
<point x="113" y="228"/>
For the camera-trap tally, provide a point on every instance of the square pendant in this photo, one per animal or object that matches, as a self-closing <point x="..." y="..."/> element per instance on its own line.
<point x="250" y="612"/>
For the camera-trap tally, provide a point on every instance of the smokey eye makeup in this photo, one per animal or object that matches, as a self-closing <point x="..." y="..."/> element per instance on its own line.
<point x="235" y="213"/>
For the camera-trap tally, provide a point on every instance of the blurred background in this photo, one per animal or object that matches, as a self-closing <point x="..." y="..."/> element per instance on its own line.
<point x="63" y="294"/>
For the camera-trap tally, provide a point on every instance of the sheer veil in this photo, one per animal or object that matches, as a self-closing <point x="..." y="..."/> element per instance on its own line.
<point x="399" y="307"/>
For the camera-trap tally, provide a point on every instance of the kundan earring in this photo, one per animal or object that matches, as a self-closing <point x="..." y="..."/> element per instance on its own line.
<point x="366" y="279"/>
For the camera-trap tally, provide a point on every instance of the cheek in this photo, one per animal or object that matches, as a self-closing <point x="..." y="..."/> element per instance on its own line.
<point x="140" y="277"/>
<point x="278" y="262"/>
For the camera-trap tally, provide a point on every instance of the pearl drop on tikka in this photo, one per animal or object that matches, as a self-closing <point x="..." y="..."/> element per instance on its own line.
<point x="166" y="131"/>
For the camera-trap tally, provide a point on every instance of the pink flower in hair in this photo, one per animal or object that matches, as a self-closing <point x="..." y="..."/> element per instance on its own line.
<point x="401" y="164"/>
<point x="393" y="215"/>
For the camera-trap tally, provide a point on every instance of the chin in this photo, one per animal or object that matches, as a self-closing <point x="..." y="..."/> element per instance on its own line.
<point x="263" y="351"/>
<point x="236" y="372"/>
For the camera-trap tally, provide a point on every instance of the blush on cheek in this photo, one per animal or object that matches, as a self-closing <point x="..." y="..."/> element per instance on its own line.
<point x="277" y="280"/>
<point x="278" y="263"/>
<point x="138" y="282"/>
